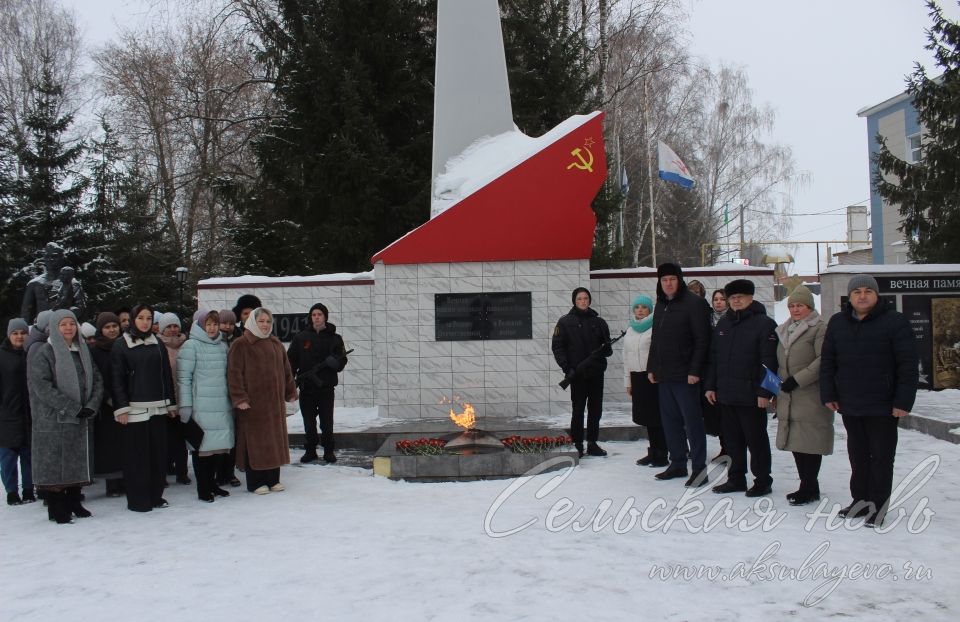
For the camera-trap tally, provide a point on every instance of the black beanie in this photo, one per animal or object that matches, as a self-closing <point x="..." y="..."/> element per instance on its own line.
<point x="247" y="301"/>
<point x="739" y="286"/>
<point x="573" y="297"/>
<point x="323" y="309"/>
<point x="669" y="269"/>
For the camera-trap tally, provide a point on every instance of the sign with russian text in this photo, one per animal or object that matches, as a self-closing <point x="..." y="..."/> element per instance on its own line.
<point x="473" y="316"/>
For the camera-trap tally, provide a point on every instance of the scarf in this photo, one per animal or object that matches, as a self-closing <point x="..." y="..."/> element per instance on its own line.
<point x="641" y="326"/>
<point x="65" y="370"/>
<point x="173" y="343"/>
<point x="251" y="323"/>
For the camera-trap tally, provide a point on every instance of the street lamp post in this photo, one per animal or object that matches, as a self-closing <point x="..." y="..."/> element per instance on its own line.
<point x="181" y="281"/>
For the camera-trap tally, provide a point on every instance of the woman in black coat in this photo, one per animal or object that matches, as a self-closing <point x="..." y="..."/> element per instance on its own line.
<point x="15" y="415"/>
<point x="143" y="398"/>
<point x="107" y="437"/>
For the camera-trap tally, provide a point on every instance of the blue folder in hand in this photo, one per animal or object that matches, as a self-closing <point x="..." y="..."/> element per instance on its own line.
<point x="771" y="382"/>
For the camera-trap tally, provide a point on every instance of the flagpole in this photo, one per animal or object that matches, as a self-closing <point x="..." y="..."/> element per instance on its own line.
<point x="646" y="123"/>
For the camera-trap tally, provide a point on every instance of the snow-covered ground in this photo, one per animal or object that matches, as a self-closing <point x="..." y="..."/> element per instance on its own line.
<point x="340" y="544"/>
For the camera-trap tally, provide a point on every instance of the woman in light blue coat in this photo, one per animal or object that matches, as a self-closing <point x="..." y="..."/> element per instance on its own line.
<point x="204" y="397"/>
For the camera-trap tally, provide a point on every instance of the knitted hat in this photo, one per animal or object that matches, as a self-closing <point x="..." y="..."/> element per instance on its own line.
<point x="43" y="320"/>
<point x="739" y="286"/>
<point x="862" y="280"/>
<point x="16" y="324"/>
<point x="247" y="301"/>
<point x="168" y="319"/>
<point x="322" y="308"/>
<point x="801" y="295"/>
<point x="641" y="300"/>
<point x="156" y="318"/>
<point x="669" y="269"/>
<point x="106" y="318"/>
<point x="87" y="330"/>
<point x="227" y="316"/>
<point x="573" y="297"/>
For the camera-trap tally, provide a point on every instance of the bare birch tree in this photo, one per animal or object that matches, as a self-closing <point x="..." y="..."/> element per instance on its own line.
<point x="188" y="97"/>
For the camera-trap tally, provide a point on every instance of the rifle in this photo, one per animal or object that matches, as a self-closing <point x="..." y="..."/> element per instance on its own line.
<point x="312" y="373"/>
<point x="582" y="365"/>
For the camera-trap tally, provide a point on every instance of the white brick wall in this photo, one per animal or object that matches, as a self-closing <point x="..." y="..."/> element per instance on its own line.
<point x="499" y="378"/>
<point x="398" y="365"/>
<point x="350" y="307"/>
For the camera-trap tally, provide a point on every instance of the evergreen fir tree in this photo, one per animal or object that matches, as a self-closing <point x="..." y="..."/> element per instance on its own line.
<point x="104" y="282"/>
<point x="142" y="257"/>
<point x="550" y="81"/>
<point x="346" y="165"/>
<point x="928" y="192"/>
<point x="549" y="77"/>
<point x="44" y="203"/>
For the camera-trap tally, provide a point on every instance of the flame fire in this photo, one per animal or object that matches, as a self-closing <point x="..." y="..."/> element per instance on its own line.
<point x="467" y="419"/>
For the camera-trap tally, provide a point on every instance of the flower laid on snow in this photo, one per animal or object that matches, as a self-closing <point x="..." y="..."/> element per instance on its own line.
<point x="535" y="444"/>
<point x="421" y="447"/>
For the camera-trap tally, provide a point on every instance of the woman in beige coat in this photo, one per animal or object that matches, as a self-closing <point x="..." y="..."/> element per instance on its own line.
<point x="804" y="425"/>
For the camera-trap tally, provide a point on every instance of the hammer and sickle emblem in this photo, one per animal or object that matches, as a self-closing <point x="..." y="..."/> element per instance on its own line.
<point x="583" y="164"/>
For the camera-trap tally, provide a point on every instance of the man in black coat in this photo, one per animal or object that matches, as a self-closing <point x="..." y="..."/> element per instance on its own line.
<point x="678" y="356"/>
<point x="316" y="355"/>
<point x="869" y="372"/>
<point x="744" y="341"/>
<point x="15" y="415"/>
<point x="579" y="334"/>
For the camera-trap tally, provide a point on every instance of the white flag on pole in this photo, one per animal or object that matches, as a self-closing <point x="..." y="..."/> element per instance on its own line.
<point x="672" y="168"/>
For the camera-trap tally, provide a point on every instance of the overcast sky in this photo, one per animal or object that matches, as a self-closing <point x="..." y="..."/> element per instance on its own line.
<point x="815" y="62"/>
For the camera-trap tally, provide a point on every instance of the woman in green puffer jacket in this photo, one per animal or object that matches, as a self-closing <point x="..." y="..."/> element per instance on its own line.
<point x="204" y="397"/>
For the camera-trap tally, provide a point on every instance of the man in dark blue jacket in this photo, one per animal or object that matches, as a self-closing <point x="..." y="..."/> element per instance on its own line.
<point x="317" y="355"/>
<point x="744" y="341"/>
<point x="677" y="360"/>
<point x="869" y="371"/>
<point x="577" y="336"/>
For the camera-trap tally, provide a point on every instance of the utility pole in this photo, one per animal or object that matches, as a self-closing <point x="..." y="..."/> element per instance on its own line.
<point x="741" y="231"/>
<point x="650" y="152"/>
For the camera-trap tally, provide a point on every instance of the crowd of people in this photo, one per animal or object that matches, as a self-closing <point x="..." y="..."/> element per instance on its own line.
<point x="128" y="398"/>
<point x="693" y="368"/>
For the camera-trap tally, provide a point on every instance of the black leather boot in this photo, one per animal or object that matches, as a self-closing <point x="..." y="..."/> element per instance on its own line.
<point x="73" y="503"/>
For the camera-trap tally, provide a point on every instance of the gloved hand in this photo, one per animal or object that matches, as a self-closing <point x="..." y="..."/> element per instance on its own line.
<point x="332" y="362"/>
<point x="86" y="413"/>
<point x="185" y="413"/>
<point x="789" y="385"/>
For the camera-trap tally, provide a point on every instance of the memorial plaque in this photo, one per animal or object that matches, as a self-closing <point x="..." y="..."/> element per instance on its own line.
<point x="286" y="325"/>
<point x="468" y="317"/>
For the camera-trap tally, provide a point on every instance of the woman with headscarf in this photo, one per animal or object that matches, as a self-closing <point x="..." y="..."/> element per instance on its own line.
<point x="107" y="433"/>
<point x="143" y="399"/>
<point x="203" y="397"/>
<point x="643" y="394"/>
<point x="260" y="382"/>
<point x="804" y="424"/>
<point x="65" y="393"/>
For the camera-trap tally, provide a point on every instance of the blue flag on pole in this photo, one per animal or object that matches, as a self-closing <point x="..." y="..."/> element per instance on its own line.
<point x="771" y="382"/>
